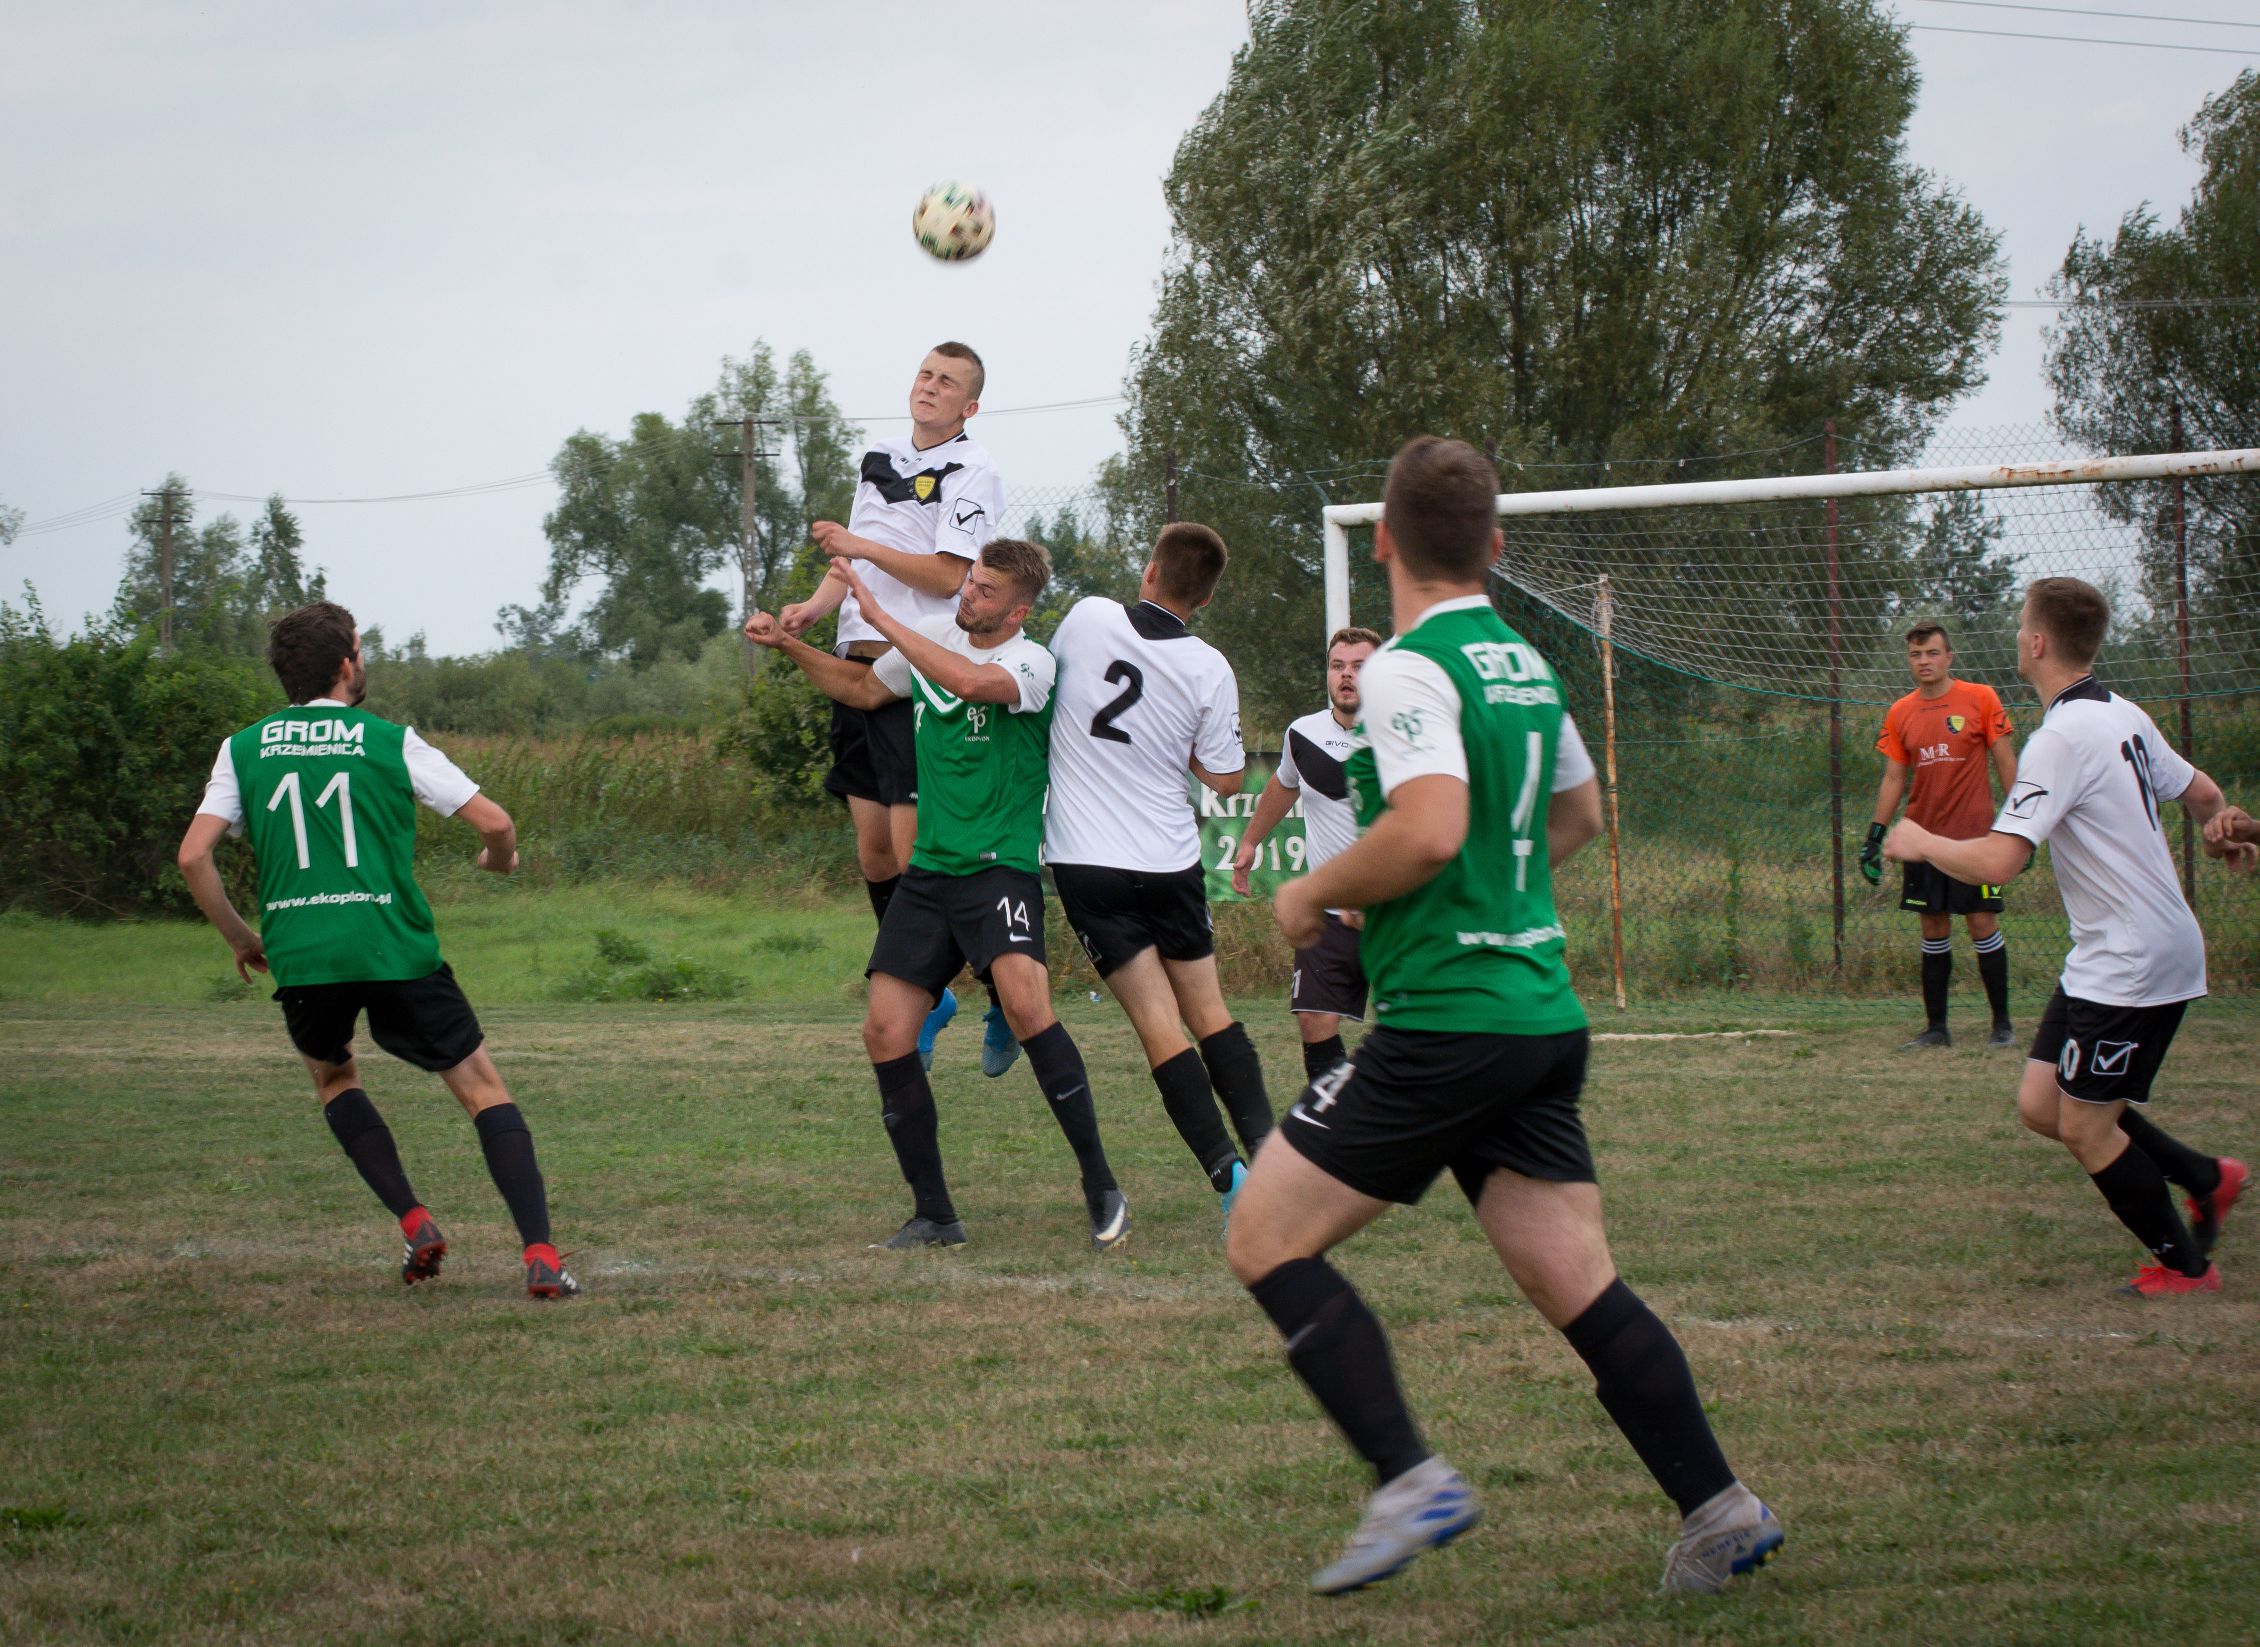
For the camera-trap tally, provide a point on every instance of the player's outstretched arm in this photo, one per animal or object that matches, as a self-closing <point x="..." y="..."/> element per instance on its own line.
<point x="836" y="678"/>
<point x="203" y="878"/>
<point x="1985" y="860"/>
<point x="1276" y="801"/>
<point x="2207" y="806"/>
<point x="804" y="615"/>
<point x="1573" y="818"/>
<point x="498" y="836"/>
<point x="953" y="672"/>
<point x="940" y="573"/>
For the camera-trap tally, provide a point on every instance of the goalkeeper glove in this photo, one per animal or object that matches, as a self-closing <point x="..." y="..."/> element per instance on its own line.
<point x="1871" y="856"/>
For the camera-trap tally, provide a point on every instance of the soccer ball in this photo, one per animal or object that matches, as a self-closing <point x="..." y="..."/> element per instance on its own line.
<point x="953" y="221"/>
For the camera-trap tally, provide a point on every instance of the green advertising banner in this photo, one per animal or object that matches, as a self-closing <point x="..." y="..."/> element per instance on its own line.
<point x="1223" y="821"/>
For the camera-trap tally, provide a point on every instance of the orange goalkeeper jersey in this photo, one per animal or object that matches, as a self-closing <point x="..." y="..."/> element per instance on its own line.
<point x="1943" y="742"/>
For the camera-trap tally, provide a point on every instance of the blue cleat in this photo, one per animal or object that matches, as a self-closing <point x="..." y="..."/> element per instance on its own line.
<point x="998" y="1048"/>
<point x="1224" y="1201"/>
<point x="936" y="1021"/>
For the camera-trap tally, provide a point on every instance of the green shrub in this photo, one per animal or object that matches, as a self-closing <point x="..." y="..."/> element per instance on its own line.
<point x="627" y="969"/>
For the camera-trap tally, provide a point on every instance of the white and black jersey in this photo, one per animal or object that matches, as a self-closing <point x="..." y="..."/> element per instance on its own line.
<point x="2090" y="783"/>
<point x="946" y="497"/>
<point x="1139" y="697"/>
<point x="1316" y="761"/>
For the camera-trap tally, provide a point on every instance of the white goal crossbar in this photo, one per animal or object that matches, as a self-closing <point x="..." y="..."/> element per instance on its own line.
<point x="1340" y="517"/>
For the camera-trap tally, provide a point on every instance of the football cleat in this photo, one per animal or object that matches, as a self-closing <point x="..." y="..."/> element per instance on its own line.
<point x="923" y="1232"/>
<point x="1702" y="1563"/>
<point x="546" y="1274"/>
<point x="2207" y="1213"/>
<point x="2004" y="1035"/>
<point x="2157" y="1281"/>
<point x="998" y="1047"/>
<point x="1935" y="1036"/>
<point x="937" y="1020"/>
<point x="1224" y="1201"/>
<point x="1424" y="1509"/>
<point x="425" y="1246"/>
<point x="1110" y="1218"/>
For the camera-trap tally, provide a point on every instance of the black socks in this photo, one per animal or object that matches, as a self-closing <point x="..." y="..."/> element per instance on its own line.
<point x="1237" y="1074"/>
<point x="2195" y="1171"/>
<point x="2136" y="1192"/>
<point x="1185" y="1095"/>
<point x="1993" y="970"/>
<point x="367" y="1142"/>
<point x="1337" y="1348"/>
<point x="1938" y="972"/>
<point x="1321" y="1056"/>
<point x="1641" y="1378"/>
<point x="881" y="894"/>
<point x="509" y="1148"/>
<point x="906" y="1104"/>
<point x="1060" y="1077"/>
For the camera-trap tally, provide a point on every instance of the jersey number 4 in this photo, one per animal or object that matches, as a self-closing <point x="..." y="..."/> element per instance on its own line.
<point x="342" y="787"/>
<point x="1102" y="724"/>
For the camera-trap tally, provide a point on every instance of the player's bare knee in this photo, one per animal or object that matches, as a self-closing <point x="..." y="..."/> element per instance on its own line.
<point x="2038" y="1098"/>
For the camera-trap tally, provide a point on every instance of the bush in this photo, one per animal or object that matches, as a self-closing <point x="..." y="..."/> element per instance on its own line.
<point x="104" y="752"/>
<point x="626" y="969"/>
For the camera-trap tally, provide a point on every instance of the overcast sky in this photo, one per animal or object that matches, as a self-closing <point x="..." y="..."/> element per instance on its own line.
<point x="272" y="248"/>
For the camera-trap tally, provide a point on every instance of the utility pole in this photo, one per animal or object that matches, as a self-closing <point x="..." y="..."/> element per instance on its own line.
<point x="164" y="569"/>
<point x="749" y="448"/>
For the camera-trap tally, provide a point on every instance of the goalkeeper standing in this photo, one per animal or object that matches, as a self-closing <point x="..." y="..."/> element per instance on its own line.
<point x="1936" y="743"/>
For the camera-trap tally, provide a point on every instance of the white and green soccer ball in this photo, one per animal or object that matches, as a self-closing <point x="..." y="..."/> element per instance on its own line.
<point x="953" y="221"/>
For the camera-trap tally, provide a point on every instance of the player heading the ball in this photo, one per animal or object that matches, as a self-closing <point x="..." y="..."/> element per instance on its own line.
<point x="328" y="793"/>
<point x="1142" y="700"/>
<point x="981" y="696"/>
<point x="1471" y="784"/>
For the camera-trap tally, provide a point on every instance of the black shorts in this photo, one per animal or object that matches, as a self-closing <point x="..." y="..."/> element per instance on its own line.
<point x="1328" y="976"/>
<point x="424" y="1021"/>
<point x="1119" y="914"/>
<point x="939" y="923"/>
<point x="1410" y="1103"/>
<point x="1927" y="889"/>
<point x="2105" y="1054"/>
<point x="874" y="752"/>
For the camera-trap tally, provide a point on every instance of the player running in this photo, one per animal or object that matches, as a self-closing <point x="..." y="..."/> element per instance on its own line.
<point x="328" y="793"/>
<point x="981" y="694"/>
<point x="2090" y="786"/>
<point x="924" y="505"/>
<point x="1941" y="734"/>
<point x="1142" y="701"/>
<point x="1328" y="982"/>
<point x="1470" y="782"/>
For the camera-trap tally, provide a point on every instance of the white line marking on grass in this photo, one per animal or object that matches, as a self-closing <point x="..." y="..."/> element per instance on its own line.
<point x="1759" y="1324"/>
<point x="1694" y="1035"/>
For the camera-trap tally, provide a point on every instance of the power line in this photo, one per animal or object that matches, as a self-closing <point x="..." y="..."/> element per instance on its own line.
<point x="2087" y="40"/>
<point x="2133" y="302"/>
<point x="2082" y="11"/>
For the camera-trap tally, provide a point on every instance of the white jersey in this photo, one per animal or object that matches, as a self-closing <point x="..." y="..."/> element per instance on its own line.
<point x="1316" y="761"/>
<point x="2089" y="783"/>
<point x="946" y="497"/>
<point x="1140" y="697"/>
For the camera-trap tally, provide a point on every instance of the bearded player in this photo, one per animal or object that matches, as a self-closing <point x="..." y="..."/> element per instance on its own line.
<point x="328" y="794"/>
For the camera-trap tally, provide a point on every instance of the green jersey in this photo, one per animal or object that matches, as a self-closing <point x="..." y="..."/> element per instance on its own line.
<point x="1479" y="948"/>
<point x="982" y="767"/>
<point x="328" y="796"/>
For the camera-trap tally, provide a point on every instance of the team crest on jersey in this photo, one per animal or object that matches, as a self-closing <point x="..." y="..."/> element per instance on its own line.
<point x="923" y="486"/>
<point x="1955" y="723"/>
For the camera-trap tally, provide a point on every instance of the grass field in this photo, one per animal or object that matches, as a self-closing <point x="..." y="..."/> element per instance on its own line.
<point x="223" y="1419"/>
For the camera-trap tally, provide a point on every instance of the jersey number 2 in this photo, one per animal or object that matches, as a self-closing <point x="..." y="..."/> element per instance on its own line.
<point x="342" y="787"/>
<point x="1102" y="724"/>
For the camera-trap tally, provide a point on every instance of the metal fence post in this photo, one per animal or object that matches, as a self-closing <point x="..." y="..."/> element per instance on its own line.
<point x="2181" y="655"/>
<point x="1835" y="708"/>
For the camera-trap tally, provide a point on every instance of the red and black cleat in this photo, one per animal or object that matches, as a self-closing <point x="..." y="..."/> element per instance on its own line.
<point x="546" y="1274"/>
<point x="2157" y="1281"/>
<point x="2207" y="1213"/>
<point x="419" y="1259"/>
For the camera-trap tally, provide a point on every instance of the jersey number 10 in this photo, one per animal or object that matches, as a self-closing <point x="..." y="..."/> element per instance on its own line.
<point x="342" y="787"/>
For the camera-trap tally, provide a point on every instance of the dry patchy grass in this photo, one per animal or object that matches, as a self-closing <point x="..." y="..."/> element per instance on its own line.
<point x="224" y="1418"/>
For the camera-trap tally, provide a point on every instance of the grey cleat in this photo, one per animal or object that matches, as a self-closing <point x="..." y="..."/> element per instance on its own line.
<point x="2004" y="1035"/>
<point x="1424" y="1509"/>
<point x="1935" y="1036"/>
<point x="1110" y="1218"/>
<point x="923" y="1232"/>
<point x="1702" y="1562"/>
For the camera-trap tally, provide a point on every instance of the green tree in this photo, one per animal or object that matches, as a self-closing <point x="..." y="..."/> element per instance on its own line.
<point x="655" y="515"/>
<point x="1586" y="233"/>
<point x="213" y="599"/>
<point x="11" y="522"/>
<point x="2160" y="317"/>
<point x="275" y="577"/>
